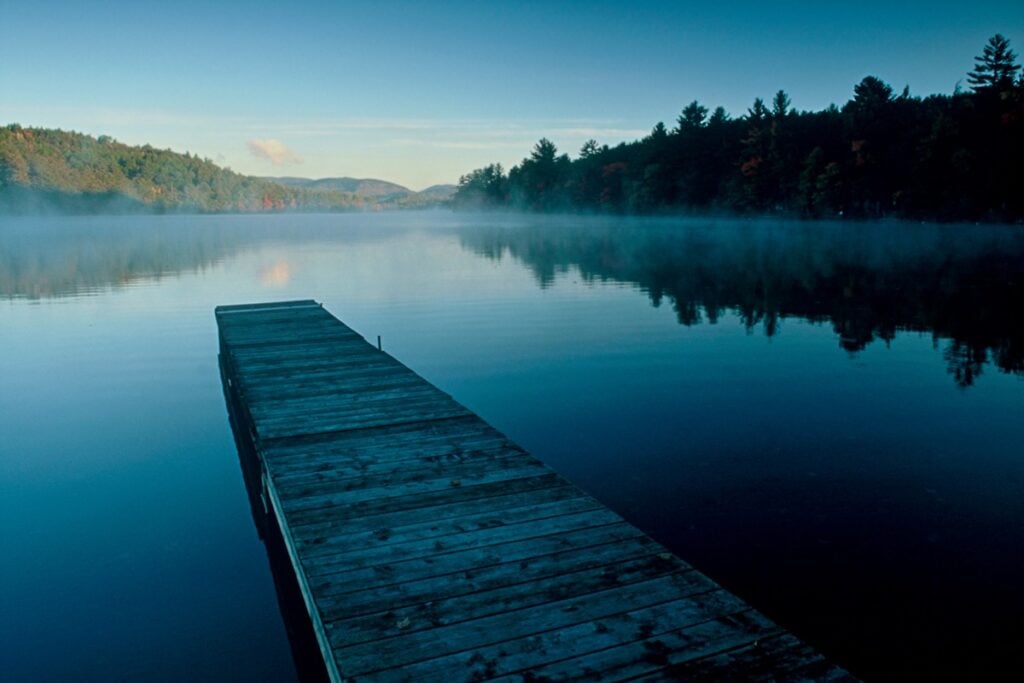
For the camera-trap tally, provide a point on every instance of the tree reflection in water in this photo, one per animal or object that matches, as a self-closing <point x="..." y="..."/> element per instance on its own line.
<point x="962" y="284"/>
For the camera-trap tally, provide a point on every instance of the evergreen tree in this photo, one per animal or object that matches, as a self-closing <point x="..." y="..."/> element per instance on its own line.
<point x="758" y="112"/>
<point x="690" y="154"/>
<point x="658" y="133"/>
<point x="541" y="176"/>
<point x="752" y="182"/>
<point x="871" y="93"/>
<point x="589" y="149"/>
<point x="719" y="117"/>
<point x="692" y="117"/>
<point x="780" y="104"/>
<point x="996" y="67"/>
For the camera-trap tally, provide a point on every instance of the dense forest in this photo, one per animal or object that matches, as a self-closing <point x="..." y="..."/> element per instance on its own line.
<point x="942" y="157"/>
<point x="53" y="170"/>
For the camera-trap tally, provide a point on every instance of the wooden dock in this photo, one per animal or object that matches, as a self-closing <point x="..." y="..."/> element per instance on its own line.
<point x="427" y="546"/>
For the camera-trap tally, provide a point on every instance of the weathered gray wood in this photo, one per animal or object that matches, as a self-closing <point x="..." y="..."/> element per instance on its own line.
<point x="413" y="478"/>
<point x="428" y="546"/>
<point x="402" y="650"/>
<point x="423" y="616"/>
<point x="252" y="335"/>
<point x="388" y="443"/>
<point x="340" y="466"/>
<point x="265" y="320"/>
<point x="469" y="562"/>
<point x="455" y="513"/>
<point x="361" y="597"/>
<point x="425" y="501"/>
<point x="357" y="378"/>
<point x="714" y="628"/>
<point x="461" y="432"/>
<point x="295" y="303"/>
<point x="358" y="409"/>
<point x="778" y="658"/>
<point x="610" y="648"/>
<point x="281" y="371"/>
<point x="388" y="395"/>
<point x="383" y="535"/>
<point x="271" y="314"/>
<point x="341" y="413"/>
<point x="371" y="416"/>
<point x="309" y="347"/>
<point x="296" y="335"/>
<point x="333" y="494"/>
<point x="362" y="474"/>
<point x="283" y="362"/>
<point x="480" y="538"/>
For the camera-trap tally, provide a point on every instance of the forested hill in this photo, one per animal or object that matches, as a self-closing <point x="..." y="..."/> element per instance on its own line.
<point x="942" y="157"/>
<point x="367" y="187"/>
<point x="54" y="170"/>
<point x="378" y="191"/>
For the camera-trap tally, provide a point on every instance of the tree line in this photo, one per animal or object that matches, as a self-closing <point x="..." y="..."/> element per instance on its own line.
<point x="942" y="157"/>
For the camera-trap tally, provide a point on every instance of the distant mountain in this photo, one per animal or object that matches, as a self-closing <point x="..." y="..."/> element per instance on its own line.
<point x="441" y="193"/>
<point x="59" y="171"/>
<point x="380" y="191"/>
<point x="361" y="187"/>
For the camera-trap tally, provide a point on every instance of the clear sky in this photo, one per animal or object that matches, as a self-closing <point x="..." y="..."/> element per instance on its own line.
<point x="422" y="92"/>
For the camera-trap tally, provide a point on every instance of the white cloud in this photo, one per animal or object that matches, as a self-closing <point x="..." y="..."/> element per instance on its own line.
<point x="273" y="151"/>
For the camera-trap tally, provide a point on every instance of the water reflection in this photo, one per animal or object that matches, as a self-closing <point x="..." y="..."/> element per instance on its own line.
<point x="53" y="257"/>
<point x="963" y="284"/>
<point x="45" y="258"/>
<point x="278" y="274"/>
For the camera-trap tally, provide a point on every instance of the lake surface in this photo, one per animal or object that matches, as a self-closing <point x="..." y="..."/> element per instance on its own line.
<point x="827" y="419"/>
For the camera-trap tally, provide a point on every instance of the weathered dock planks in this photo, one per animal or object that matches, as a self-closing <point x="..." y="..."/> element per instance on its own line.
<point x="427" y="546"/>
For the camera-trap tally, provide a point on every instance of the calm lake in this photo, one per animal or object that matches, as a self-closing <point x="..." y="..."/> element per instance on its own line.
<point x="828" y="419"/>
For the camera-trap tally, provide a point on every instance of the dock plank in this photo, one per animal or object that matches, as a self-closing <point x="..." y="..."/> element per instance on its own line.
<point x="362" y="556"/>
<point x="611" y="648"/>
<point x="402" y="650"/>
<point x="471" y="513"/>
<point x="400" y="620"/>
<point x="368" y="597"/>
<point x="426" y="502"/>
<point x="469" y="563"/>
<point x="429" y="546"/>
<point x="381" y="536"/>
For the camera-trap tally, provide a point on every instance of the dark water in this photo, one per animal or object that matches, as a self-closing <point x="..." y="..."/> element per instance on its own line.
<point x="828" y="419"/>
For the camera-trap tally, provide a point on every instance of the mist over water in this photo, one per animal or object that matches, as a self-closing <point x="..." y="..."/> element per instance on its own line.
<point x="866" y="280"/>
<point x="823" y="417"/>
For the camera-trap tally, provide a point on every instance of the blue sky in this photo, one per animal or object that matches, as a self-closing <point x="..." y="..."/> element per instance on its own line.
<point x="420" y="93"/>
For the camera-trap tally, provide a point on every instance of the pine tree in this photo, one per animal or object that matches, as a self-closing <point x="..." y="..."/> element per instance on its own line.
<point x="996" y="67"/>
<point x="589" y="149"/>
<point x="780" y="105"/>
<point x="658" y="133"/>
<point x="693" y="117"/>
